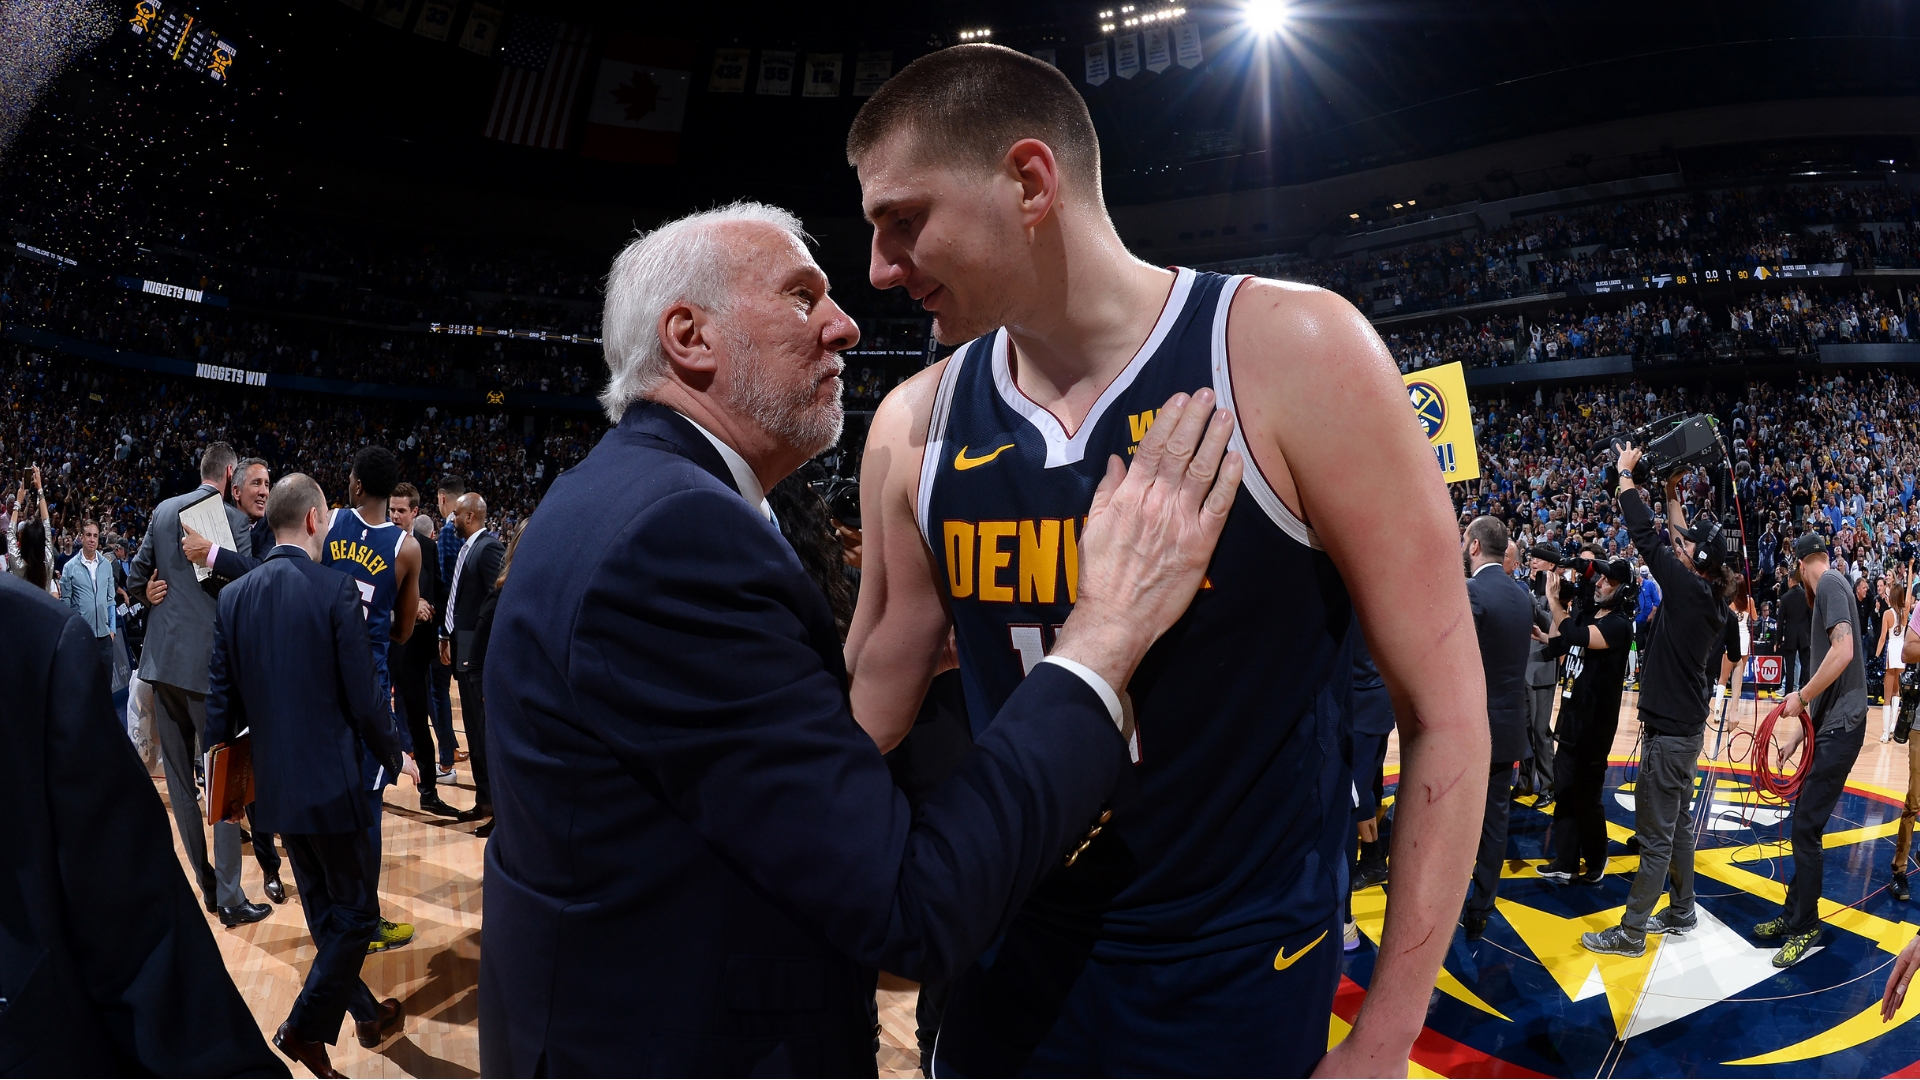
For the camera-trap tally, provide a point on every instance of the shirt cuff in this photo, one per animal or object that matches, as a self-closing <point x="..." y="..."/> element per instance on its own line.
<point x="213" y="555"/>
<point x="1116" y="708"/>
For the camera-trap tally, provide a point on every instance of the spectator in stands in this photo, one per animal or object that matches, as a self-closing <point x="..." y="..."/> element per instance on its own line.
<point x="86" y="584"/>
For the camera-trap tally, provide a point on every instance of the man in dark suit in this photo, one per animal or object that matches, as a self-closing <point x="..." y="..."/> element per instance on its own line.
<point x="173" y="659"/>
<point x="475" y="569"/>
<point x="1796" y="628"/>
<point x="142" y="992"/>
<point x="292" y="662"/>
<point x="1503" y="621"/>
<point x="412" y="661"/>
<point x="701" y="858"/>
<point x="252" y="482"/>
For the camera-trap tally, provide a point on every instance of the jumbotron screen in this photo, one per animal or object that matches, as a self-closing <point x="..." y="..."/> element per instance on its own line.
<point x="181" y="35"/>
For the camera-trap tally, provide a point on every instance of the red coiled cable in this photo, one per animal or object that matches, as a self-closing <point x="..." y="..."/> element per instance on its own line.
<point x="1765" y="779"/>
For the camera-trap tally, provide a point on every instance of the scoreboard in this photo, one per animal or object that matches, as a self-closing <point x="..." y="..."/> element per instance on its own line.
<point x="171" y="29"/>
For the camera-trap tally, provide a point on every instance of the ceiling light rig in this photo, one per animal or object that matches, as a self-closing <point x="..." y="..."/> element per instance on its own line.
<point x="982" y="34"/>
<point x="1265" y="16"/>
<point x="1151" y="18"/>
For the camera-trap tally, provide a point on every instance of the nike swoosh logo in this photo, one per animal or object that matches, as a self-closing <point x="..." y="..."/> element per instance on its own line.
<point x="961" y="462"/>
<point x="1281" y="961"/>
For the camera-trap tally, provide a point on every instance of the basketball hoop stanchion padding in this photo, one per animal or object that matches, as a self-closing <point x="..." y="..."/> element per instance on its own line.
<point x="1765" y="780"/>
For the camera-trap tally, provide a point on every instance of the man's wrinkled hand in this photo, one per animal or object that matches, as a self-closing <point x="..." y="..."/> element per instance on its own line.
<point x="156" y="591"/>
<point x="1149" y="536"/>
<point x="409" y="769"/>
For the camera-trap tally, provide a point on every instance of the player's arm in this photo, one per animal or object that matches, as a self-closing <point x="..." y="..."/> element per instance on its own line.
<point x="406" y="566"/>
<point x="900" y="623"/>
<point x="1326" y="416"/>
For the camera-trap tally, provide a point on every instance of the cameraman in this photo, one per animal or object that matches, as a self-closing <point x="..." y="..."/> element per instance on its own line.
<point x="1593" y="638"/>
<point x="1695" y="585"/>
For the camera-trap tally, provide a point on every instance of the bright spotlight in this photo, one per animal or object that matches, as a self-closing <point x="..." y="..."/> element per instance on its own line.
<point x="1265" y="16"/>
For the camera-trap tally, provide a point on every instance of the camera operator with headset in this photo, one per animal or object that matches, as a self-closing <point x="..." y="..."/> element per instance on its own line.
<point x="1592" y="624"/>
<point x="1695" y="584"/>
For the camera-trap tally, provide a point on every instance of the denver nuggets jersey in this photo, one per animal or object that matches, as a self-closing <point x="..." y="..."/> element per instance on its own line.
<point x="368" y="552"/>
<point x="1234" y="828"/>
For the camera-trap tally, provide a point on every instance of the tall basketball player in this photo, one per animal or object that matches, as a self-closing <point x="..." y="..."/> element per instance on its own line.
<point x="384" y="560"/>
<point x="1199" y="931"/>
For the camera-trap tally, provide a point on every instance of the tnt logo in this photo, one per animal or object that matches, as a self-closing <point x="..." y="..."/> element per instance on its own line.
<point x="1428" y="407"/>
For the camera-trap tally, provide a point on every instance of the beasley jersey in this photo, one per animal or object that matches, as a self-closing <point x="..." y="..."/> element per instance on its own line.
<point x="368" y="553"/>
<point x="1232" y="826"/>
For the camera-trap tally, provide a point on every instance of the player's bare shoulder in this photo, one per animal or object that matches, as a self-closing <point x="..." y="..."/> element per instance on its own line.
<point x="1296" y="330"/>
<point x="897" y="440"/>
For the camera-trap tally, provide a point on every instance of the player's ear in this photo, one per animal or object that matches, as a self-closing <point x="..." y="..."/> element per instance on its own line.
<point x="1031" y="162"/>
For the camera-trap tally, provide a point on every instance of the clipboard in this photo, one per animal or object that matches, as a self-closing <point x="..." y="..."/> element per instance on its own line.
<point x="230" y="779"/>
<point x="207" y="516"/>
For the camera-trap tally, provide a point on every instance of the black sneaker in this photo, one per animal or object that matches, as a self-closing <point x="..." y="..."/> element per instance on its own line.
<point x="1772" y="928"/>
<point x="1664" y="922"/>
<point x="1898" y="886"/>
<point x="1368" y="876"/>
<point x="1615" y="940"/>
<point x="1476" y="926"/>
<point x="1548" y="872"/>
<point x="1592" y="877"/>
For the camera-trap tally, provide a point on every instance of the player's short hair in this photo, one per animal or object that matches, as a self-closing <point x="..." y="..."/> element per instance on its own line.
<point x="407" y="492"/>
<point x="377" y="470"/>
<point x="968" y="104"/>
<point x="215" y="462"/>
<point x="290" y="499"/>
<point x="1491" y="534"/>
<point x="453" y="484"/>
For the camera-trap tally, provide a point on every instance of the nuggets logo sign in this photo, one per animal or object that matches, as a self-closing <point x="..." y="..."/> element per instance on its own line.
<point x="1528" y="1000"/>
<point x="1428" y="407"/>
<point x="1439" y="399"/>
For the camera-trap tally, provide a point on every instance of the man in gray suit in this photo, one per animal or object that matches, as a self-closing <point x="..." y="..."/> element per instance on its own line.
<point x="1543" y="679"/>
<point x="178" y="649"/>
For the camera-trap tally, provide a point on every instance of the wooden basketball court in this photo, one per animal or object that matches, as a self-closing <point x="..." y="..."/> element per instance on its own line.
<point x="432" y="878"/>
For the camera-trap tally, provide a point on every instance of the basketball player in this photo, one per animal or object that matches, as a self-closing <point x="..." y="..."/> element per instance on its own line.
<point x="1199" y="931"/>
<point x="385" y="560"/>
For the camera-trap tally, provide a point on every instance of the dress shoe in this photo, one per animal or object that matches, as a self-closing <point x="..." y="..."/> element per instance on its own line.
<point x="431" y="803"/>
<point x="311" y="1054"/>
<point x="459" y="755"/>
<point x="484" y="831"/>
<point x="388" y="1023"/>
<point x="474" y="814"/>
<point x="242" y="914"/>
<point x="1476" y="926"/>
<point x="276" y="892"/>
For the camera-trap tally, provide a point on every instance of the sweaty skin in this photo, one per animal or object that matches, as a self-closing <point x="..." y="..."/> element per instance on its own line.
<point x="1325" y="415"/>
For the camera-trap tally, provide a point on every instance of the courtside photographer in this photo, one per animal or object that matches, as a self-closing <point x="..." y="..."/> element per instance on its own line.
<point x="1592" y="633"/>
<point x="1695" y="584"/>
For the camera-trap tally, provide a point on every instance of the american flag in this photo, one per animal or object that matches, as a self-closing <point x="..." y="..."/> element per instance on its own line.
<point x="544" y="62"/>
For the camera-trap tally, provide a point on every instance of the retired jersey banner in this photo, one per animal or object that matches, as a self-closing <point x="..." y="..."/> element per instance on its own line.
<point x="1439" y="399"/>
<point x="776" y="73"/>
<point x="823" y="75"/>
<point x="483" y="26"/>
<point x="639" y="101"/>
<point x="870" y="72"/>
<point x="1126" y="55"/>
<point x="1097" y="63"/>
<point x="435" y="21"/>
<point x="729" y="75"/>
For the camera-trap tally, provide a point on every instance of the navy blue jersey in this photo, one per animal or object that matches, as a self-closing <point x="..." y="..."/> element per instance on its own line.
<point x="368" y="552"/>
<point x="1234" y="827"/>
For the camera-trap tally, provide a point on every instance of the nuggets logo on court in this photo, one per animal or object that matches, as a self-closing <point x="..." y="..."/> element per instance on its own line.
<point x="1429" y="407"/>
<point x="1527" y="1000"/>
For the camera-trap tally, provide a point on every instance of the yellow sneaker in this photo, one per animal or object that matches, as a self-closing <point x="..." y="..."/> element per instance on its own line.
<point x="392" y="936"/>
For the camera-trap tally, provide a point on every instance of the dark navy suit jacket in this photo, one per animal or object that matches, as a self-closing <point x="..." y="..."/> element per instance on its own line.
<point x="106" y="962"/>
<point x="1503" y="621"/>
<point x="699" y="858"/>
<point x="257" y="542"/>
<point x="291" y="659"/>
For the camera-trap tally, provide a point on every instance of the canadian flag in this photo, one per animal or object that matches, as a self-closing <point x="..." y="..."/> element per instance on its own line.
<point x="640" y="101"/>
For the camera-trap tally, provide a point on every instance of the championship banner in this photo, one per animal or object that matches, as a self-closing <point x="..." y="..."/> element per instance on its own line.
<point x="1159" y="51"/>
<point x="639" y="101"/>
<point x="1126" y="55"/>
<point x="1439" y="399"/>
<point x="1186" y="45"/>
<point x="1096" y="63"/>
